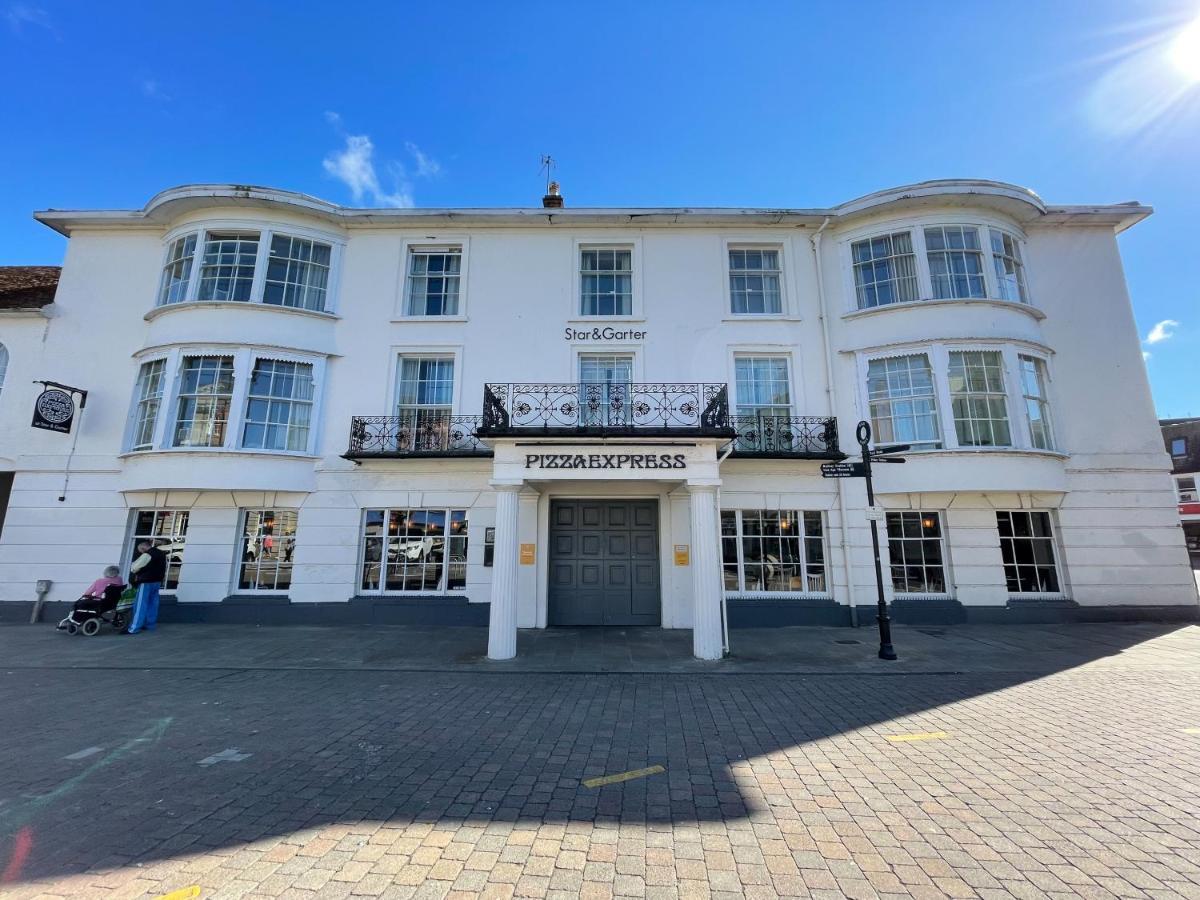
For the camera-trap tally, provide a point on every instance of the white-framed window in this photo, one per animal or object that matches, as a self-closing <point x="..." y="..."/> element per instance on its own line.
<point x="774" y="551"/>
<point x="1030" y="552"/>
<point x="955" y="262"/>
<point x="297" y="272"/>
<point x="166" y="529"/>
<point x="1037" y="407"/>
<point x="763" y="386"/>
<point x="885" y="270"/>
<point x="755" y="281"/>
<point x="1179" y="446"/>
<point x="177" y="271"/>
<point x="147" y="400"/>
<point x="3" y="365"/>
<point x="204" y="400"/>
<point x="434" y="280"/>
<point x="1009" y="268"/>
<point x="424" y="400"/>
<point x="605" y="281"/>
<point x="223" y="398"/>
<point x="278" y="406"/>
<point x="227" y="265"/>
<point x="249" y="264"/>
<point x="604" y="392"/>
<point x="422" y="551"/>
<point x="1186" y="486"/>
<point x="903" y="402"/>
<point x="979" y="398"/>
<point x="265" y="549"/>
<point x="917" y="552"/>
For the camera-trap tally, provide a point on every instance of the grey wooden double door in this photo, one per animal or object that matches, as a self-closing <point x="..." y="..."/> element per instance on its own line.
<point x="604" y="563"/>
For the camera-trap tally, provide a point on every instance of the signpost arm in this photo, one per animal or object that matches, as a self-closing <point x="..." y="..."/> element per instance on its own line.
<point x="886" y="651"/>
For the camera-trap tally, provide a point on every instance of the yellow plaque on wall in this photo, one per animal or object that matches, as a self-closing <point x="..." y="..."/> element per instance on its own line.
<point x="682" y="554"/>
<point x="527" y="551"/>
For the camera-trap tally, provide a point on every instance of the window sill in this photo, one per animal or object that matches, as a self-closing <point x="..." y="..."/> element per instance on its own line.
<point x="975" y="451"/>
<point x="399" y="319"/>
<point x="763" y="317"/>
<point x="223" y="451"/>
<point x="232" y="304"/>
<point x="1030" y="311"/>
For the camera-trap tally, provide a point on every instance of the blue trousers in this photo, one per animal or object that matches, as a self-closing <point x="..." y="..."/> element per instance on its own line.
<point x="145" y="607"/>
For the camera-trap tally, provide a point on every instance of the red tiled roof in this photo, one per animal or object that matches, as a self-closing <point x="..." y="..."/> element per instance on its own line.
<point x="28" y="287"/>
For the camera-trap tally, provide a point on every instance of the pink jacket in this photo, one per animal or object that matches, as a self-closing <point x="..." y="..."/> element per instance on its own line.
<point x="98" y="586"/>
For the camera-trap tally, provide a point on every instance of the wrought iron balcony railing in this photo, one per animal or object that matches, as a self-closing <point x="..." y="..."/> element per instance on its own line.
<point x="786" y="437"/>
<point x="606" y="409"/>
<point x="423" y="433"/>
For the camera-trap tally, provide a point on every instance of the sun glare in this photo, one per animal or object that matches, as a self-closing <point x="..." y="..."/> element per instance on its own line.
<point x="1184" y="51"/>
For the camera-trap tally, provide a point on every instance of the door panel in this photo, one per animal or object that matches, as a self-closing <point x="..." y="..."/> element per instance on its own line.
<point x="604" y="563"/>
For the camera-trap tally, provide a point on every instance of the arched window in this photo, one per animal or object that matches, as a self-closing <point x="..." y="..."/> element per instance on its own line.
<point x="3" y="365"/>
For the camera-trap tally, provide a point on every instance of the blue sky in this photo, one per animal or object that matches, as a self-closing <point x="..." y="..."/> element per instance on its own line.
<point x="642" y="104"/>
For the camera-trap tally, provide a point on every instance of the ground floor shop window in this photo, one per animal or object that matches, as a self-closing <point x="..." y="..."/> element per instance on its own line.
<point x="414" y="550"/>
<point x="268" y="543"/>
<point x="773" y="551"/>
<point x="1030" y="557"/>
<point x="917" y="552"/>
<point x="167" y="530"/>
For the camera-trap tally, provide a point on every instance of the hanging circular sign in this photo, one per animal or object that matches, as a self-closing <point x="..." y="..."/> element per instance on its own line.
<point x="54" y="410"/>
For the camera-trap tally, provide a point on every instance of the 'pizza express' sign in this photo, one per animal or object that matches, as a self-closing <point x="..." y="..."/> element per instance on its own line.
<point x="54" y="410"/>
<point x="605" y="461"/>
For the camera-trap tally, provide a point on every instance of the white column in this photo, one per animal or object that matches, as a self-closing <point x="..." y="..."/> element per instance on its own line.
<point x="502" y="618"/>
<point x="706" y="558"/>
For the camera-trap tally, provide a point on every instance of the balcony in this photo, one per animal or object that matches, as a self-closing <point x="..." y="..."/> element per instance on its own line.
<point x="606" y="410"/>
<point x="786" y="437"/>
<point x="414" y="435"/>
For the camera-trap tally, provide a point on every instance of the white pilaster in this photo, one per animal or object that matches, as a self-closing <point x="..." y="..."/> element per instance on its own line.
<point x="706" y="557"/>
<point x="502" y="619"/>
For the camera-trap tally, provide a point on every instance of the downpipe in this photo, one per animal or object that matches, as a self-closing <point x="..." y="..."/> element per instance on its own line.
<point x="43" y="588"/>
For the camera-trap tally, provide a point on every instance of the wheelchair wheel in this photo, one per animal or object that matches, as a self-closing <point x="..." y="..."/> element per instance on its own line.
<point x="72" y="628"/>
<point x="118" y="622"/>
<point x="90" y="627"/>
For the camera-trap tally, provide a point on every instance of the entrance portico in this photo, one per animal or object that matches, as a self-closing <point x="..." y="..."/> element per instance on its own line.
<point x="668" y="482"/>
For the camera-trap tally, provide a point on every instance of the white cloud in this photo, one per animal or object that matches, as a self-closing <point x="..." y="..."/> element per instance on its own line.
<point x="1162" y="331"/>
<point x="152" y="89"/>
<point x="427" y="166"/>
<point x="19" y="15"/>
<point x="1145" y="355"/>
<point x="354" y="165"/>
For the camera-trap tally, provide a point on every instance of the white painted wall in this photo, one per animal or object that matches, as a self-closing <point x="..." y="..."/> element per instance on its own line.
<point x="1109" y="488"/>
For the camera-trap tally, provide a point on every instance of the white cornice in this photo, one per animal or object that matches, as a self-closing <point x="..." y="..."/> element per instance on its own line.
<point x="1021" y="204"/>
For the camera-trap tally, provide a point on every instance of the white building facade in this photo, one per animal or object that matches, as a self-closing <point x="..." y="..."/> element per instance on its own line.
<point x="555" y="416"/>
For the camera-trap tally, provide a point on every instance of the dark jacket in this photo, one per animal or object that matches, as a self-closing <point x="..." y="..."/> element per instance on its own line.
<point x="153" y="571"/>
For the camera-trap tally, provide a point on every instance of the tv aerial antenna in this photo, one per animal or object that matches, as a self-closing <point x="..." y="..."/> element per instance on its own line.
<point x="548" y="166"/>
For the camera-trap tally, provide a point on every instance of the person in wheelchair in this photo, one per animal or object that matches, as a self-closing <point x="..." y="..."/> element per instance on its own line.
<point x="100" y="598"/>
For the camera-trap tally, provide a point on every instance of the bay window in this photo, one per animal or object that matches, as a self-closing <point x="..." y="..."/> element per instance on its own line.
<point x="1027" y="545"/>
<point x="413" y="550"/>
<point x="937" y="262"/>
<point x="902" y="403"/>
<point x="225" y="399"/>
<point x="235" y="265"/>
<point x="979" y="399"/>
<point x="916" y="552"/>
<point x="774" y="551"/>
<point x="205" y="395"/>
<point x="754" y="281"/>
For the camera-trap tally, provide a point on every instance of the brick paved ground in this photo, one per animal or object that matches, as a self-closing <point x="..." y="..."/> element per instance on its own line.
<point x="468" y="783"/>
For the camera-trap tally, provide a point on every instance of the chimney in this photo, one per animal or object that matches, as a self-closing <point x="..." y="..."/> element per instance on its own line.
<point x="553" y="199"/>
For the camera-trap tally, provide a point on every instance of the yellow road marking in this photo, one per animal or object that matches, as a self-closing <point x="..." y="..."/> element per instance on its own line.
<point x="183" y="893"/>
<point x="920" y="736"/>
<point x="624" y="776"/>
<point x="1191" y="731"/>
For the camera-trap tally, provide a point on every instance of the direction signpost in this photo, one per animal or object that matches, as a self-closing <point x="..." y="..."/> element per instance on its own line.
<point x="874" y="515"/>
